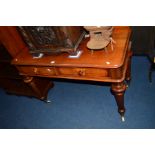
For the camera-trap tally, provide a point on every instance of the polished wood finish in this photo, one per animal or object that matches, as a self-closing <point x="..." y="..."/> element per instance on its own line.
<point x="118" y="90"/>
<point x="105" y="66"/>
<point x="98" y="59"/>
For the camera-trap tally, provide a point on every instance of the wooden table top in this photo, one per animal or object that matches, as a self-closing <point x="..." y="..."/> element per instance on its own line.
<point x="98" y="59"/>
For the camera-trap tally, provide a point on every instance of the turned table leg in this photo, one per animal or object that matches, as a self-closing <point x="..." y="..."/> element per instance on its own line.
<point x="118" y="90"/>
<point x="39" y="92"/>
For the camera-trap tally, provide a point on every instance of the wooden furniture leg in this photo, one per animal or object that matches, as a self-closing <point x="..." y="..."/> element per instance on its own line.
<point x="40" y="87"/>
<point x="128" y="72"/>
<point x="118" y="90"/>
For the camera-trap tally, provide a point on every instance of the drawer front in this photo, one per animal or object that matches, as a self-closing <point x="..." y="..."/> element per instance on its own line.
<point x="64" y="72"/>
<point x="82" y="72"/>
<point x="42" y="71"/>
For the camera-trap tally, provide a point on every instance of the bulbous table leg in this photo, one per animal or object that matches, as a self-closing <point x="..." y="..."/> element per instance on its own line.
<point x="118" y="90"/>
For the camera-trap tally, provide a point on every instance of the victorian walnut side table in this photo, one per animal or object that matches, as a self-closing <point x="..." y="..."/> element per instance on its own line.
<point x="112" y="66"/>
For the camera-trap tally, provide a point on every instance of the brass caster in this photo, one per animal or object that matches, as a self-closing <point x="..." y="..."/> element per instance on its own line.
<point x="127" y="82"/>
<point x="47" y="101"/>
<point x="122" y="118"/>
<point x="127" y="86"/>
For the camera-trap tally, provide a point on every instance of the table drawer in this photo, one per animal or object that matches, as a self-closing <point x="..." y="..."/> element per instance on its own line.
<point x="42" y="71"/>
<point x="64" y="72"/>
<point x="82" y="72"/>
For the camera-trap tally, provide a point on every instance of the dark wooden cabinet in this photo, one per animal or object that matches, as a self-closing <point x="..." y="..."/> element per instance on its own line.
<point x="52" y="39"/>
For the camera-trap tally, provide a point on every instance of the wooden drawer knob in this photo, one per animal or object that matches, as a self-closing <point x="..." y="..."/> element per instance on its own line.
<point x="35" y="70"/>
<point x="82" y="72"/>
<point x="49" y="70"/>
